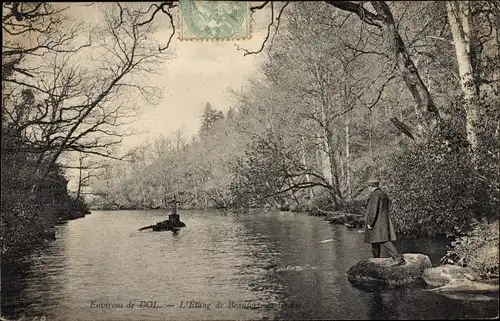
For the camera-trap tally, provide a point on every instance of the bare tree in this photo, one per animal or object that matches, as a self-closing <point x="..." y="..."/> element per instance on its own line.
<point x="33" y="29"/>
<point x="383" y="20"/>
<point x="87" y="170"/>
<point x="81" y="100"/>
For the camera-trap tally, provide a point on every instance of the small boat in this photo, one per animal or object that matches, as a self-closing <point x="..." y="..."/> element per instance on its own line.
<point x="172" y="224"/>
<point x="168" y="226"/>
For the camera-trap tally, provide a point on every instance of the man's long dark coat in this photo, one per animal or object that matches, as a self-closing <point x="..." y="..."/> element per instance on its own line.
<point x="377" y="215"/>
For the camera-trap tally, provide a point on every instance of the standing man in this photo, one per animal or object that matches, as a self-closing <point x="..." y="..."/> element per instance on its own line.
<point x="379" y="230"/>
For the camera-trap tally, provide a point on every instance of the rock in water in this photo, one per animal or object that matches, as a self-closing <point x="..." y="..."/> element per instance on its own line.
<point x="468" y="287"/>
<point x="384" y="271"/>
<point x="444" y="274"/>
<point x="460" y="283"/>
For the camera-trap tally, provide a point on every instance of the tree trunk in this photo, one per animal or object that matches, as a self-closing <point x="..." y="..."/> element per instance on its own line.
<point x="426" y="111"/>
<point x="338" y="156"/>
<point x="496" y="48"/>
<point x="304" y="163"/>
<point x="332" y="161"/>
<point x="370" y="129"/>
<point x="323" y="159"/>
<point x="327" y="161"/>
<point x="80" y="163"/>
<point x="347" y="158"/>
<point x="459" y="20"/>
<point x="145" y="199"/>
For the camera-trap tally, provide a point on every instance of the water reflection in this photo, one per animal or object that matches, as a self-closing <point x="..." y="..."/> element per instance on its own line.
<point x="266" y="266"/>
<point x="385" y="305"/>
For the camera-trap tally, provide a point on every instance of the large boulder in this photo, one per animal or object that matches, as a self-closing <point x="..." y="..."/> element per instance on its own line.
<point x="385" y="271"/>
<point x="458" y="282"/>
<point x="444" y="274"/>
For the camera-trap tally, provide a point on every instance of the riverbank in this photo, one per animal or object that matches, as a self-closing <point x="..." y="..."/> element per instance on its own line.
<point x="29" y="224"/>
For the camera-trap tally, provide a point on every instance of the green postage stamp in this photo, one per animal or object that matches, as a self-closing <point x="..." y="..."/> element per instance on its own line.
<point x="214" y="20"/>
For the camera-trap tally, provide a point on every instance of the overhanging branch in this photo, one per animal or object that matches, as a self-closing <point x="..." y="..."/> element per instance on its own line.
<point x="357" y="8"/>
<point x="271" y="23"/>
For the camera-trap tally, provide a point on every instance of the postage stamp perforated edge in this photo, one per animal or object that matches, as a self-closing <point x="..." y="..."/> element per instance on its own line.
<point x="182" y="37"/>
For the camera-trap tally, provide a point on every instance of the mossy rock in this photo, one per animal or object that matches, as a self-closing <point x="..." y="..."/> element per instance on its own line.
<point x="445" y="274"/>
<point x="385" y="271"/>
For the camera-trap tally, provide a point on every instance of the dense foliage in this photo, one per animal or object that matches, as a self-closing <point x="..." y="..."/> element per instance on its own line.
<point x="29" y="217"/>
<point x="478" y="249"/>
<point x="435" y="189"/>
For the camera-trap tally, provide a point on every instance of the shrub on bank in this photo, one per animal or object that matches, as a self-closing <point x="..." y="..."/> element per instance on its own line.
<point x="29" y="217"/>
<point x="64" y="209"/>
<point x="27" y="222"/>
<point x="355" y="206"/>
<point x="434" y="189"/>
<point x="23" y="227"/>
<point x="322" y="199"/>
<point x="477" y="250"/>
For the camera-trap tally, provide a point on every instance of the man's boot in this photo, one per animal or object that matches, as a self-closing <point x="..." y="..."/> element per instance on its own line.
<point x="393" y="252"/>
<point x="376" y="250"/>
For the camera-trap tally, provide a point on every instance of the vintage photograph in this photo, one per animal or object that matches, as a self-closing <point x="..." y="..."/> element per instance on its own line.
<point x="241" y="160"/>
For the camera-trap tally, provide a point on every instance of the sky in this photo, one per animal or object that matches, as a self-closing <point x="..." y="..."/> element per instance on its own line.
<point x="199" y="72"/>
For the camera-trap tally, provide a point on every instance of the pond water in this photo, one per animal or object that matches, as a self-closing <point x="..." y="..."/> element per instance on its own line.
<point x="265" y="266"/>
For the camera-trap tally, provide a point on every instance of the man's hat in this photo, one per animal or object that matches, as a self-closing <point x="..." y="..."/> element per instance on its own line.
<point x="373" y="182"/>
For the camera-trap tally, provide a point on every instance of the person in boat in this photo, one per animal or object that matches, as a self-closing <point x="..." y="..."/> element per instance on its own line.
<point x="378" y="228"/>
<point x="174" y="217"/>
